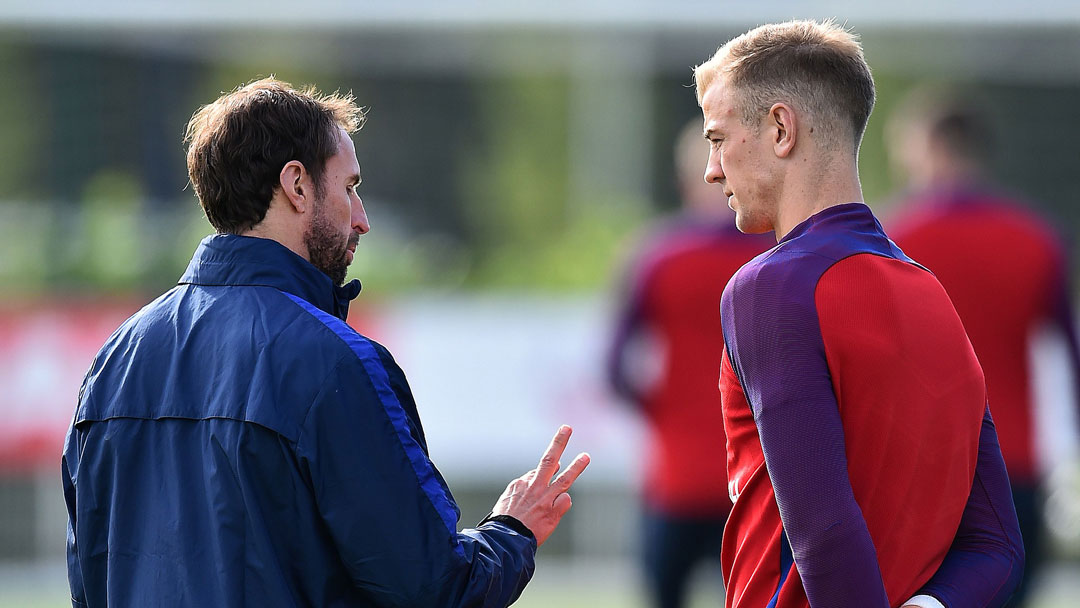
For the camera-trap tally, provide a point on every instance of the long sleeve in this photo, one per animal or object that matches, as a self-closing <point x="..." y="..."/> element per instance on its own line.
<point x="824" y="525"/>
<point x="628" y="323"/>
<point x="787" y="383"/>
<point x="68" y="464"/>
<point x="986" y="560"/>
<point x="387" y="508"/>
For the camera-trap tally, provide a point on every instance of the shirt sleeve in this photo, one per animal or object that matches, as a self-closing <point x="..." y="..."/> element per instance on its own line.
<point x="782" y="368"/>
<point x="386" y="507"/>
<point x="629" y="318"/>
<point x="986" y="560"/>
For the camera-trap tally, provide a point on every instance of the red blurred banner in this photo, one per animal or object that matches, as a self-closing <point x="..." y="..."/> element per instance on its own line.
<point x="45" y="350"/>
<point x="46" y="347"/>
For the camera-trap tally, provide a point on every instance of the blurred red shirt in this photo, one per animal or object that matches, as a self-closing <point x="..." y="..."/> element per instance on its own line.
<point x="1005" y="270"/>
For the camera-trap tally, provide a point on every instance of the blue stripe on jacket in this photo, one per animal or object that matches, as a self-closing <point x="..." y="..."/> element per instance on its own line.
<point x="369" y="358"/>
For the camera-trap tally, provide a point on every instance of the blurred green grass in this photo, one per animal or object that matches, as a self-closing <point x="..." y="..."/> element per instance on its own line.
<point x="43" y="600"/>
<point x="542" y="597"/>
<point x="559" y="585"/>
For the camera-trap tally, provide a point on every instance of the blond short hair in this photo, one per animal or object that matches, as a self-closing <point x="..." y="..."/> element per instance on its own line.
<point x="818" y="67"/>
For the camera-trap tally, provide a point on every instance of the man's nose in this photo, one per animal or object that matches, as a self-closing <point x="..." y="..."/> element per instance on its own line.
<point x="714" y="173"/>
<point x="359" y="217"/>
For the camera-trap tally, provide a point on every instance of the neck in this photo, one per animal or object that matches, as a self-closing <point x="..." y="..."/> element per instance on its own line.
<point x="821" y="185"/>
<point x="283" y="229"/>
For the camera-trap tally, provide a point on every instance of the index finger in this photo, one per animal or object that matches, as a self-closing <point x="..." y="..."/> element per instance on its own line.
<point x="549" y="462"/>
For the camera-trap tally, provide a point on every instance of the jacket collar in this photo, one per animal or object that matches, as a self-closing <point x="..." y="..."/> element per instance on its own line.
<point x="229" y="259"/>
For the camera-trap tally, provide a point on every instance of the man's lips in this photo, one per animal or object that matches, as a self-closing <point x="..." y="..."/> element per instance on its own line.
<point x="351" y="247"/>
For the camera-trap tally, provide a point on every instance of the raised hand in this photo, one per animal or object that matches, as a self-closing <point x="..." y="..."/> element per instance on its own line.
<point x="535" y="499"/>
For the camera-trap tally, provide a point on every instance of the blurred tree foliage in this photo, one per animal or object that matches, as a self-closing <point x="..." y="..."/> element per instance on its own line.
<point x="879" y="182"/>
<point x="20" y="123"/>
<point x="526" y="230"/>
<point x="469" y="173"/>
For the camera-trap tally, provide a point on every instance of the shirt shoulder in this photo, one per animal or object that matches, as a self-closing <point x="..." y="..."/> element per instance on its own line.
<point x="769" y="304"/>
<point x="771" y="301"/>
<point x="783" y="276"/>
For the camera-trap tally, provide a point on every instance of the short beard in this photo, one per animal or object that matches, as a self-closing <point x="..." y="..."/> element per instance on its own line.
<point x="327" y="250"/>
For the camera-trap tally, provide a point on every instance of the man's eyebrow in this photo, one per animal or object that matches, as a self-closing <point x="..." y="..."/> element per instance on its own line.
<point x="709" y="133"/>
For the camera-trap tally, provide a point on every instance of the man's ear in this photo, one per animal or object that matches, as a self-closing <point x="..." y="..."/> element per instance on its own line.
<point x="783" y="123"/>
<point x="292" y="182"/>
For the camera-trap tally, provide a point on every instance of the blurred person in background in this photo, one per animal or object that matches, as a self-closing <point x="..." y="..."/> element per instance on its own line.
<point x="669" y="320"/>
<point x="862" y="459"/>
<point x="1005" y="270"/>
<point x="237" y="444"/>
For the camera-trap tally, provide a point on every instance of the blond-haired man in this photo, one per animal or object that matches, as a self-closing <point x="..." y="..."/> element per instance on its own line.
<point x="862" y="460"/>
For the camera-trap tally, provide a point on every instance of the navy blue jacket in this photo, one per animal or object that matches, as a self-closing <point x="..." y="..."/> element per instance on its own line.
<point x="237" y="444"/>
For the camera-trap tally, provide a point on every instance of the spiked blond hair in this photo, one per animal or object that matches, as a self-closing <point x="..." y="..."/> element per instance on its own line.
<point x="818" y="67"/>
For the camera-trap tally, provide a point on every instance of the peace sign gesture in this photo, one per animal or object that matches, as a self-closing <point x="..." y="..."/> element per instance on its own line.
<point x="535" y="499"/>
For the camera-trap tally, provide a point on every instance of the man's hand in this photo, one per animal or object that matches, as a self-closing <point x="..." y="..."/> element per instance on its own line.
<point x="537" y="501"/>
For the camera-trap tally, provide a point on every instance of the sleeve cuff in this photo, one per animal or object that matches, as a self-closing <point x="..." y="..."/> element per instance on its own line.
<point x="924" y="601"/>
<point x="513" y="523"/>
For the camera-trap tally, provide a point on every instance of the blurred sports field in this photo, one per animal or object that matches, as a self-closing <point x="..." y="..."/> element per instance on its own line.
<point x="556" y="584"/>
<point x="513" y="153"/>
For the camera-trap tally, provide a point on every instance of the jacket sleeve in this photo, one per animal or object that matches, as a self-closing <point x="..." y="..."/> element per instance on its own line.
<point x="986" y="560"/>
<point x="68" y="464"/>
<point x="386" y="507"/>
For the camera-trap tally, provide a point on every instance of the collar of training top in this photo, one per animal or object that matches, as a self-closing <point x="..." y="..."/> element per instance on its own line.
<point x="853" y="217"/>
<point x="229" y="259"/>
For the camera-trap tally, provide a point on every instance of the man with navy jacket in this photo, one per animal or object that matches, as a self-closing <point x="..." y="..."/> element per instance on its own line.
<point x="237" y="444"/>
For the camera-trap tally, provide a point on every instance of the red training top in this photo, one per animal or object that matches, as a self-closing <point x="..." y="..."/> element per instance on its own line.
<point x="675" y="289"/>
<point x="1005" y="271"/>
<point x="861" y="458"/>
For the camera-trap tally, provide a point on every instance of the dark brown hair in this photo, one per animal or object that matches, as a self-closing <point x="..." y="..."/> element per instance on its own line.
<point x="238" y="144"/>
<point x="817" y="67"/>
